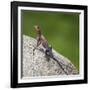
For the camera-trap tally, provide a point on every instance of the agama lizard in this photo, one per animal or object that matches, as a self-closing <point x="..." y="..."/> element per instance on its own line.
<point x="48" y="48"/>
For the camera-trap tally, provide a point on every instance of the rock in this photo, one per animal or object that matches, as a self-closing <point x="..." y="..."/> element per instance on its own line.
<point x="36" y="64"/>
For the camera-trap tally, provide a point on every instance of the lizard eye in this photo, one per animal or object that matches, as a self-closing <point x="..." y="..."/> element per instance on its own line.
<point x="37" y="27"/>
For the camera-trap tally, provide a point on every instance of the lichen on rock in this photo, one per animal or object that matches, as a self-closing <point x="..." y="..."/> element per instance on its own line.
<point x="36" y="64"/>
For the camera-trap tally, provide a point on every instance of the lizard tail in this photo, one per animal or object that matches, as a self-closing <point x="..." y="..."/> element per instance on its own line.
<point x="60" y="65"/>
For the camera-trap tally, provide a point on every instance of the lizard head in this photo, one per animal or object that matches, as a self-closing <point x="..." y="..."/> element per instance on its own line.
<point x="37" y="28"/>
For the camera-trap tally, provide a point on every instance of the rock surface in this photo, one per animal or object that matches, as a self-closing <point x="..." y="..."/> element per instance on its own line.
<point x="36" y="64"/>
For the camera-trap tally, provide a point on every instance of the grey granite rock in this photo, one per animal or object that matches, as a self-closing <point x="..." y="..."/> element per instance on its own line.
<point x="36" y="64"/>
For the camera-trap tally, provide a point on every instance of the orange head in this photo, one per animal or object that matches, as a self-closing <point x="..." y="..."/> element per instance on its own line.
<point x="37" y="29"/>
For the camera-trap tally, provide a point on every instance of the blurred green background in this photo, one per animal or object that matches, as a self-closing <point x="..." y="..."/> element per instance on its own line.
<point x="61" y="30"/>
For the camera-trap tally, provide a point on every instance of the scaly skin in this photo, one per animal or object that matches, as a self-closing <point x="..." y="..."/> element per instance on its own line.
<point x="48" y="49"/>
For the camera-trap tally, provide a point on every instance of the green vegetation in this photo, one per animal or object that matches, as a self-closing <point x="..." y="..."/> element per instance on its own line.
<point x="60" y="29"/>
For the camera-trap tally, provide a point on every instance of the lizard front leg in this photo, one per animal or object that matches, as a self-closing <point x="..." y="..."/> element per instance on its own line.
<point x="38" y="43"/>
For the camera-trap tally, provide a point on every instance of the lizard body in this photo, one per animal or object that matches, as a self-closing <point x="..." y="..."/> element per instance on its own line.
<point x="48" y="49"/>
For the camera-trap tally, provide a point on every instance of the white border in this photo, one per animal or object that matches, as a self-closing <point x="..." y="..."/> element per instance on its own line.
<point x="81" y="47"/>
